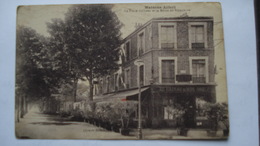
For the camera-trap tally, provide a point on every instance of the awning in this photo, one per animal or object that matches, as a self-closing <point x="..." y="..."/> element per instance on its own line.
<point x="121" y="96"/>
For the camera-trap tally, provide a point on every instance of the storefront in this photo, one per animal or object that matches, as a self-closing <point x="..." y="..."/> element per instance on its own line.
<point x="168" y="102"/>
<point x="162" y="105"/>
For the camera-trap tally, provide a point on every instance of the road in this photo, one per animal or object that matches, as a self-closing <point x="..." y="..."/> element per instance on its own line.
<point x="36" y="125"/>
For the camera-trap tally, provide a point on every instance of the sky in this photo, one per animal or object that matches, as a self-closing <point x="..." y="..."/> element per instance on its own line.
<point x="130" y="14"/>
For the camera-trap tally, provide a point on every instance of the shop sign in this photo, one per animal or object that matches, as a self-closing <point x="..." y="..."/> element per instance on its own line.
<point x="184" y="89"/>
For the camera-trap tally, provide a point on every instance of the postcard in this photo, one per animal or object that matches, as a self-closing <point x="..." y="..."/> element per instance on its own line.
<point x="121" y="72"/>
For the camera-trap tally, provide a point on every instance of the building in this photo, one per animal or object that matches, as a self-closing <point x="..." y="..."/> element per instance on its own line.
<point x="177" y="71"/>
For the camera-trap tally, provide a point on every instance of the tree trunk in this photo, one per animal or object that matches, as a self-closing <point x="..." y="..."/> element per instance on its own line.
<point x="17" y="109"/>
<point x="25" y="105"/>
<point x="22" y="107"/>
<point x="75" y="86"/>
<point x="91" y="89"/>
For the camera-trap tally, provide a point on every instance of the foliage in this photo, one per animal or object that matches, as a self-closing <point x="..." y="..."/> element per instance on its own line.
<point x="178" y="114"/>
<point x="88" y="112"/>
<point x="215" y="113"/>
<point x="82" y="46"/>
<point x="85" y="43"/>
<point x="63" y="58"/>
<point x="176" y="111"/>
<point x="33" y="80"/>
<point x="92" y="39"/>
<point x="116" y="112"/>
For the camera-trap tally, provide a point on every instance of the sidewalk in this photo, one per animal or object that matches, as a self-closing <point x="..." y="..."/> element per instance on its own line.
<point x="172" y="134"/>
<point x="35" y="125"/>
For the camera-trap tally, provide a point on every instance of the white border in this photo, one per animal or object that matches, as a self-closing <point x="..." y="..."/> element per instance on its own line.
<point x="240" y="46"/>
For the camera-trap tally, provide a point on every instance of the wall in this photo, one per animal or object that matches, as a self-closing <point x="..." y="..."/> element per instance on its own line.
<point x="152" y="53"/>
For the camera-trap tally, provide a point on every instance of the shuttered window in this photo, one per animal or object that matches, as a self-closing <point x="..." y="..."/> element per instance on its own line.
<point x="168" y="73"/>
<point x="167" y="36"/>
<point x="127" y="78"/>
<point x="141" y="75"/>
<point x="141" y="43"/>
<point x="197" y="36"/>
<point x="127" y="51"/>
<point x="198" y="71"/>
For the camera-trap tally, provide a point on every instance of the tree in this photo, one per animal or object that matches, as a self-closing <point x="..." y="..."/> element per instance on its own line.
<point x="29" y="82"/>
<point x="35" y="79"/>
<point x="64" y="59"/>
<point x="92" y="37"/>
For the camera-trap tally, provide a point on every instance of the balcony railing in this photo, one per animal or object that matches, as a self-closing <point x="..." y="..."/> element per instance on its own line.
<point x="197" y="46"/>
<point x="198" y="79"/>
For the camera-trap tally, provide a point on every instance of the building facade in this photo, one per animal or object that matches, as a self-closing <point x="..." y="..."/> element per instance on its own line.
<point x="178" y="70"/>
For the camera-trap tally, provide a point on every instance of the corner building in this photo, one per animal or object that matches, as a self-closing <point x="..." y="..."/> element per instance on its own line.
<point x="178" y="70"/>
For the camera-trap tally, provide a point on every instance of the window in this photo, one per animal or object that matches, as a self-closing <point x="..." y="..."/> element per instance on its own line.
<point x="168" y="109"/>
<point x="127" y="78"/>
<point x="167" y="36"/>
<point x="200" y="103"/>
<point x="141" y="43"/>
<point x="198" y="35"/>
<point x="198" y="71"/>
<point x="141" y="75"/>
<point x="127" y="51"/>
<point x="167" y="69"/>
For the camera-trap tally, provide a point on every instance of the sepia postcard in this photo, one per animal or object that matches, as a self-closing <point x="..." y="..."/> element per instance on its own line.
<point x="121" y="71"/>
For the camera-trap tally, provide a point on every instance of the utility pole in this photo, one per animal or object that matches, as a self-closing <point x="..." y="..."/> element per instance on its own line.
<point x="138" y="63"/>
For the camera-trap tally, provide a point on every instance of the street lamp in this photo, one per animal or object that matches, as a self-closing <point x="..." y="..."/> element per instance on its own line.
<point x="138" y="63"/>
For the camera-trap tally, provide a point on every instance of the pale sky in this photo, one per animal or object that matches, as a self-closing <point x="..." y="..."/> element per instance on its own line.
<point x="130" y="14"/>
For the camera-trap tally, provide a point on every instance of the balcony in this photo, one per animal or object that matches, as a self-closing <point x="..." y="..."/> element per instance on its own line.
<point x="199" y="79"/>
<point x="197" y="46"/>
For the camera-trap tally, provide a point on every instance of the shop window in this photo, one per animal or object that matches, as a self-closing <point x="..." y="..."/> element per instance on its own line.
<point x="200" y="107"/>
<point x="168" y="109"/>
